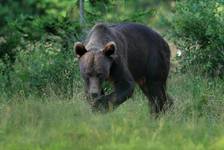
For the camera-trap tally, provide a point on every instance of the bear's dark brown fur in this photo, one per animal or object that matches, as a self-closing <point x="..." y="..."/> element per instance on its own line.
<point x="124" y="54"/>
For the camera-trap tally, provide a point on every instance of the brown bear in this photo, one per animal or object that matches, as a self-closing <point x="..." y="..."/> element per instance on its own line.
<point x="124" y="54"/>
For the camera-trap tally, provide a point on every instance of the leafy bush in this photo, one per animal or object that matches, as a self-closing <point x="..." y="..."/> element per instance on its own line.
<point x="199" y="28"/>
<point x="42" y="69"/>
<point x="41" y="58"/>
<point x="36" y="41"/>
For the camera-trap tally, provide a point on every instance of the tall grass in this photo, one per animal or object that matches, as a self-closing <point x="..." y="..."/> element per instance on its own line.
<point x="56" y="123"/>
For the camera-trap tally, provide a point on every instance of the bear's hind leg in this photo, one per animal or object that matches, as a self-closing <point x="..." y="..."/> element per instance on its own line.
<point x="144" y="86"/>
<point x="156" y="93"/>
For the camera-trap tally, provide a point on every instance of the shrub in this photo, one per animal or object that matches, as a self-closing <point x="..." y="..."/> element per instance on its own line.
<point x="42" y="69"/>
<point x="199" y="30"/>
<point x="40" y="60"/>
<point x="35" y="48"/>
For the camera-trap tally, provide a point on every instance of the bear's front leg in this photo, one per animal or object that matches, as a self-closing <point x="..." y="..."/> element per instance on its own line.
<point x="123" y="90"/>
<point x="103" y="104"/>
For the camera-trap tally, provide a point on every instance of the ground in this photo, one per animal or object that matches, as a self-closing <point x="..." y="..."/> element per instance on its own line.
<point x="55" y="123"/>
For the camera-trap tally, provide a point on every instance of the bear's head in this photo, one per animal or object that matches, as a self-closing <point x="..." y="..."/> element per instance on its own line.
<point x="95" y="66"/>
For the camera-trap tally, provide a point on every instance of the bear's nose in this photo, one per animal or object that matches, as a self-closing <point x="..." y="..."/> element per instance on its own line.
<point x="94" y="95"/>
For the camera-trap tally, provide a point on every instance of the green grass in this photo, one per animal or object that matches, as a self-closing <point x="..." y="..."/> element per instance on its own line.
<point x="195" y="122"/>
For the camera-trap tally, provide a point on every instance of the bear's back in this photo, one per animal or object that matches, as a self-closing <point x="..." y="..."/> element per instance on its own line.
<point x="146" y="48"/>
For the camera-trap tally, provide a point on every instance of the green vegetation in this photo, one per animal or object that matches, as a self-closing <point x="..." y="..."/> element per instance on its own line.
<point x="42" y="104"/>
<point x="200" y="28"/>
<point x="195" y="122"/>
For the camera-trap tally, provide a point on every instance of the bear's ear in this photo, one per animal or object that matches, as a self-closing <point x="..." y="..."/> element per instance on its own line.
<point x="109" y="48"/>
<point x="79" y="49"/>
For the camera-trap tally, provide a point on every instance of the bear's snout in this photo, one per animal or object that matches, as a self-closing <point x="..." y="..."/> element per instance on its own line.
<point x="94" y="87"/>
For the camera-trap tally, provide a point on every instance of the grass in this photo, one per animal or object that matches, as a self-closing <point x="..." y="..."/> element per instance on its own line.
<point x="53" y="123"/>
